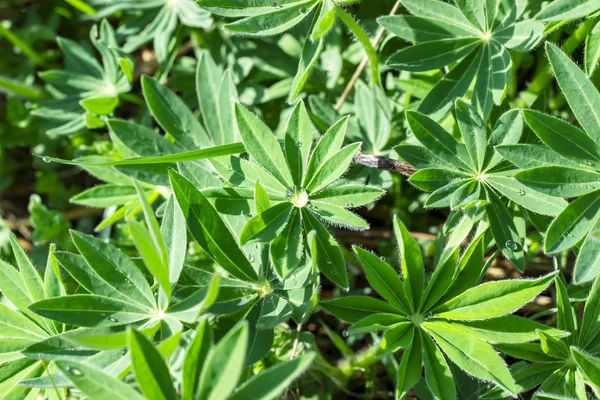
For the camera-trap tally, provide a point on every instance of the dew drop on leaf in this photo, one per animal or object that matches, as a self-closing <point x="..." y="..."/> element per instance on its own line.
<point x="302" y="10"/>
<point x="345" y="333"/>
<point x="298" y="144"/>
<point x="328" y="261"/>
<point x="46" y="159"/>
<point x="74" y="371"/>
<point x="251" y="258"/>
<point x="512" y="245"/>
<point x="521" y="192"/>
<point x="112" y="319"/>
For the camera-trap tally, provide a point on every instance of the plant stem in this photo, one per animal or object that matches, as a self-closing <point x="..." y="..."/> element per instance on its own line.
<point x="17" y="42"/>
<point x="21" y="89"/>
<point x="384" y="163"/>
<point x="363" y="38"/>
<point x="363" y="63"/>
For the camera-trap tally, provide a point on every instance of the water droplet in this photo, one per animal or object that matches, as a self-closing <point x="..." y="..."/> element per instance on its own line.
<point x="124" y="351"/>
<point x="112" y="319"/>
<point x="251" y="258"/>
<point x="408" y="317"/>
<point x="328" y="261"/>
<point x="521" y="192"/>
<point x="293" y="276"/>
<point x="302" y="10"/>
<point x="512" y="245"/>
<point x="346" y="289"/>
<point x="345" y="333"/>
<point x="588" y="162"/>
<point x="230" y="168"/>
<point x="74" y="371"/>
<point x="298" y="144"/>
<point x="589" y="187"/>
<point x="46" y="159"/>
<point x="429" y="314"/>
<point x="382" y="258"/>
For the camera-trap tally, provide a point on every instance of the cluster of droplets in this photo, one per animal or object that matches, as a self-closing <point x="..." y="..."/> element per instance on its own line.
<point x="74" y="371"/>
<point x="108" y="317"/>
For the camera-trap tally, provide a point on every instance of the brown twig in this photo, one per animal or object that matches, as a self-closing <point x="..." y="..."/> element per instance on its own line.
<point x="363" y="63"/>
<point x="380" y="162"/>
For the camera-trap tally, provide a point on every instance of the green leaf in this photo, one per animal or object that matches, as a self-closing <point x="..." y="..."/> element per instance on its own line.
<point x="338" y="215"/>
<point x="412" y="264"/>
<point x="96" y="384"/>
<point x="440" y="11"/>
<point x="453" y="85"/>
<point x="333" y="168"/>
<point x="100" y="106"/>
<point x="329" y="256"/>
<point x="272" y="382"/>
<point x="588" y="365"/>
<point x="105" y="196"/>
<point x="309" y="57"/>
<point x="419" y="30"/>
<point x="376" y="323"/>
<point x="354" y="308"/>
<point x="384" y="279"/>
<point x="560" y="10"/>
<point x="564" y="138"/>
<point x="580" y="92"/>
<point x="267" y="225"/>
<point x="194" y="155"/>
<point x="273" y="21"/>
<point x="507" y="130"/>
<point x="522" y="36"/>
<point x="432" y="55"/>
<point x="261" y="198"/>
<point x="493" y="299"/>
<point x="571" y="225"/>
<point x="89" y="310"/>
<point x="324" y="21"/>
<point x="591" y="316"/>
<point x="287" y="248"/>
<point x="409" y="370"/>
<point x="153" y="260"/>
<point x="504" y="230"/>
<point x="262" y="145"/>
<point x="473" y="131"/>
<point x="349" y="195"/>
<point x="524" y="196"/>
<point x="587" y="265"/>
<point x="329" y="145"/>
<point x="437" y="372"/>
<point x="114" y="268"/>
<point x="298" y="141"/>
<point x="223" y="366"/>
<point x="215" y="91"/>
<point x="437" y="140"/>
<point x="150" y="369"/>
<point x="173" y="115"/>
<point x="552" y="346"/>
<point x="28" y="273"/>
<point x="510" y="329"/>
<point x="174" y="233"/>
<point x="592" y="50"/>
<point x="432" y="179"/>
<point x="471" y="354"/>
<point x="399" y="336"/>
<point x="209" y="230"/>
<point x="194" y="359"/>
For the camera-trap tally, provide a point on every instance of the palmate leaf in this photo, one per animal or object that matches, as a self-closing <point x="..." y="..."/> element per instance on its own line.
<point x="479" y="33"/>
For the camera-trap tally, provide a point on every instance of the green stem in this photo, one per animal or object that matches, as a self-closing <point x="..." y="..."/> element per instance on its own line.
<point x="364" y="39"/>
<point x="20" y="89"/>
<point x="25" y="48"/>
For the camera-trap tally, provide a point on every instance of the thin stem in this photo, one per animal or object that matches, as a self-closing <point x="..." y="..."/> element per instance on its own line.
<point x="363" y="63"/>
<point x="363" y="38"/>
<point x="296" y="341"/>
<point x="384" y="163"/>
<point x="25" y="48"/>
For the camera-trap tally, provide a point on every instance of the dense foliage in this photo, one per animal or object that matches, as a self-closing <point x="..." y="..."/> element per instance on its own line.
<point x="299" y="199"/>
